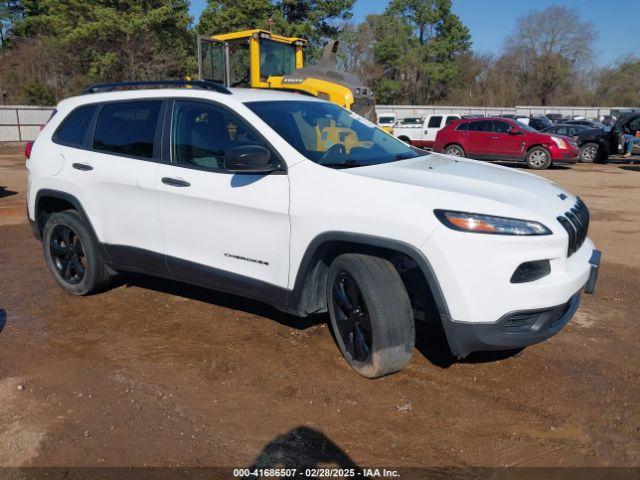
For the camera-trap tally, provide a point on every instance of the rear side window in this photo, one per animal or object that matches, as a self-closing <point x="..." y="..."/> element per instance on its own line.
<point x="463" y="126"/>
<point x="74" y="127"/>
<point x="451" y="119"/>
<point x="127" y="128"/>
<point x="481" y="126"/>
<point x="434" y="122"/>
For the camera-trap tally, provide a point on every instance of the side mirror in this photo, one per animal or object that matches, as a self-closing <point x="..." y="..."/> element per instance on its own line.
<point x="248" y="159"/>
<point x="513" y="131"/>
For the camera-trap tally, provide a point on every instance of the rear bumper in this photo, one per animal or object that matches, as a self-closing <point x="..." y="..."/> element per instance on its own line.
<point x="514" y="330"/>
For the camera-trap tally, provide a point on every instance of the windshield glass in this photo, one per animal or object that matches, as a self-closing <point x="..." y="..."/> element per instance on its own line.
<point x="276" y="58"/>
<point x="330" y="135"/>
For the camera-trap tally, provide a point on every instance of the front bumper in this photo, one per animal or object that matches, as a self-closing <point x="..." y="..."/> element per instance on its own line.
<point x="571" y="155"/>
<point x="516" y="329"/>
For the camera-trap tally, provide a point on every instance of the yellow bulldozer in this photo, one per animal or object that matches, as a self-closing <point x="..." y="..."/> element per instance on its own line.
<point x="261" y="59"/>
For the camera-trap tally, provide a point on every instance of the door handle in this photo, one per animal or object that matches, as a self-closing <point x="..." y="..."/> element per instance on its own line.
<point x="495" y="138"/>
<point x="82" y="166"/>
<point x="175" y="182"/>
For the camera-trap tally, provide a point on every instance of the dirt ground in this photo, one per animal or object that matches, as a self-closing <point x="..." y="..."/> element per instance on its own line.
<point x="156" y="373"/>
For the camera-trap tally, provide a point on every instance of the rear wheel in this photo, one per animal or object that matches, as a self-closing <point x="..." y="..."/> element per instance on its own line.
<point x="72" y="254"/>
<point x="538" y="158"/>
<point x="371" y="314"/>
<point x="406" y="140"/>
<point x="590" y="152"/>
<point x="454" y="150"/>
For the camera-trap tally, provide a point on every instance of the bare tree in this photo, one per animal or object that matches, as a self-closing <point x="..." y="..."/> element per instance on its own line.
<point x="555" y="31"/>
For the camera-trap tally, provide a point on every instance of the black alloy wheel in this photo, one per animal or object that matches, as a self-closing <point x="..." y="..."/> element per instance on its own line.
<point x="352" y="317"/>
<point x="67" y="254"/>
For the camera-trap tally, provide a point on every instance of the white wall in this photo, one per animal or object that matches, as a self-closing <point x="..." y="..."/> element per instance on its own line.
<point x="21" y="123"/>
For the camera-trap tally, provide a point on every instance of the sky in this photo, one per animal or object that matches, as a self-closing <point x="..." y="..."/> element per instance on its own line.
<point x="490" y="21"/>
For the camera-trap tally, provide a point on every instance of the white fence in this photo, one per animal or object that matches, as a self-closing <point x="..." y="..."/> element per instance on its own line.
<point x="21" y="123"/>
<point x="403" y="111"/>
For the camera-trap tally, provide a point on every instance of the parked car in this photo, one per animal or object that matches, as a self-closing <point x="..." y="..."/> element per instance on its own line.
<point x="555" y="117"/>
<point x="539" y="122"/>
<point x="424" y="135"/>
<point x="588" y="123"/>
<point x="608" y="120"/>
<point x="386" y="121"/>
<point x="501" y="138"/>
<point x="565" y="129"/>
<point x="407" y="121"/>
<point x="238" y="190"/>
<point x="518" y="118"/>
<point x="597" y="144"/>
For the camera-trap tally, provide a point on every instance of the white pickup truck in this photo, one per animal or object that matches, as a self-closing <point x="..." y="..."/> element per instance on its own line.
<point x="423" y="135"/>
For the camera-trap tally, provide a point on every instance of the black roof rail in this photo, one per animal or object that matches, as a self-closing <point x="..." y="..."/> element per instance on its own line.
<point x="201" y="84"/>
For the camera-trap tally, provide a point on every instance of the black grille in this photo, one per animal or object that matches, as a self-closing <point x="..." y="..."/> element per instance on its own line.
<point x="576" y="223"/>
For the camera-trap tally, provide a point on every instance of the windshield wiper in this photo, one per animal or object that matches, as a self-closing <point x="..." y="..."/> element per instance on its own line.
<point x="405" y="156"/>
<point x="345" y="164"/>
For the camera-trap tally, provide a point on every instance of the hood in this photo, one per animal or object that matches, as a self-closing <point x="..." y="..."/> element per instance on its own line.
<point x="470" y="178"/>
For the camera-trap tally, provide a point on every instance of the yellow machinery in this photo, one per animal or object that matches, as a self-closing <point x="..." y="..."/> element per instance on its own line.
<point x="261" y="59"/>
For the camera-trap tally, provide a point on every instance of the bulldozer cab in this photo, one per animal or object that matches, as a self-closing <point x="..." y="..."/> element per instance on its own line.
<point x="248" y="58"/>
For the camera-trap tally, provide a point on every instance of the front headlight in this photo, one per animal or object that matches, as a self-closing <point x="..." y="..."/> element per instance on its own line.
<point x="479" y="223"/>
<point x="559" y="142"/>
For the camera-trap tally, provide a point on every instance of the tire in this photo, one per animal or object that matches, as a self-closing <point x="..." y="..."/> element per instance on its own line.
<point x="538" y="158"/>
<point x="371" y="314"/>
<point x="454" y="150"/>
<point x="590" y="152"/>
<point x="405" y="140"/>
<point x="73" y="255"/>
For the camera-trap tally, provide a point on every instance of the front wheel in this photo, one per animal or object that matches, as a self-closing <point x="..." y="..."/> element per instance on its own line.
<point x="590" y="152"/>
<point x="371" y="314"/>
<point x="538" y="158"/>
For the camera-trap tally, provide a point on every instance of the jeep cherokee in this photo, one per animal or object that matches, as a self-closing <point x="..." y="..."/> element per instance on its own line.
<point x="299" y="203"/>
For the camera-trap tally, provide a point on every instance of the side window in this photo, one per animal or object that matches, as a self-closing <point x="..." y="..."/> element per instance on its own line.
<point x="563" y="130"/>
<point x="202" y="133"/>
<point x="480" y="126"/>
<point x="500" y="127"/>
<point x="451" y="119"/>
<point x="434" y="122"/>
<point x="74" y="127"/>
<point x="127" y="128"/>
<point x="463" y="126"/>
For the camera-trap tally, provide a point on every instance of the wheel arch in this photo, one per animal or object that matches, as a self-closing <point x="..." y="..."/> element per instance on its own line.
<point x="52" y="201"/>
<point x="308" y="294"/>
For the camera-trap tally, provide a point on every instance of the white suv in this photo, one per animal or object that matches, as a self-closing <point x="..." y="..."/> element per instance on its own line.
<point x="301" y="204"/>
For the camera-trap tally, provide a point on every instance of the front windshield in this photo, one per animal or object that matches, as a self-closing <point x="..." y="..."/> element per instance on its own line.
<point x="330" y="135"/>
<point x="276" y="58"/>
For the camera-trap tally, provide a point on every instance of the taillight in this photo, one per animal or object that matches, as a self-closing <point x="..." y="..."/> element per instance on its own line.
<point x="27" y="150"/>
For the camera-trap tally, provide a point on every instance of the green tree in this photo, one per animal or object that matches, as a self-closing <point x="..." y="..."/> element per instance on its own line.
<point x="315" y="20"/>
<point x="110" y="40"/>
<point x="417" y="44"/>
